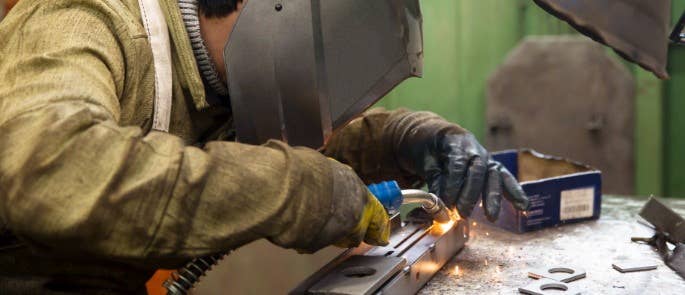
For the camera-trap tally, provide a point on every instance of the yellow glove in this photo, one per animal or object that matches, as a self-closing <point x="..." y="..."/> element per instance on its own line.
<point x="373" y="227"/>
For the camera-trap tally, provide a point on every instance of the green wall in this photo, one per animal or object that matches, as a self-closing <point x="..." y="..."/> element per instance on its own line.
<point x="466" y="40"/>
<point x="674" y="120"/>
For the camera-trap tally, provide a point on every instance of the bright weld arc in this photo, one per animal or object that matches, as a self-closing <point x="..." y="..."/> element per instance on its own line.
<point x="444" y="227"/>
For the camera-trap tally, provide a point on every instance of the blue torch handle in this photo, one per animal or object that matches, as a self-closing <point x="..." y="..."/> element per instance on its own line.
<point x="389" y="194"/>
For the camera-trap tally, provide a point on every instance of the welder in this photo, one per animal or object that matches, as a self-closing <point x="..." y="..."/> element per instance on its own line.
<point x="137" y="135"/>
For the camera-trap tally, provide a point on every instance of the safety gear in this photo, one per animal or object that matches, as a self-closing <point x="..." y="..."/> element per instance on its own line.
<point x="299" y="69"/>
<point x="373" y="228"/>
<point x="637" y="29"/>
<point x="454" y="165"/>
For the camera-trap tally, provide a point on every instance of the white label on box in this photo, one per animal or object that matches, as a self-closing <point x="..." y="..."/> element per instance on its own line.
<point x="577" y="203"/>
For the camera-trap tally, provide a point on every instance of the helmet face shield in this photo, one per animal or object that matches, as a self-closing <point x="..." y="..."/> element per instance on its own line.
<point x="298" y="69"/>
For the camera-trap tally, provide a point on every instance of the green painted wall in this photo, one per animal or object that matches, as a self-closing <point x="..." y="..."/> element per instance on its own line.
<point x="465" y="40"/>
<point x="674" y="107"/>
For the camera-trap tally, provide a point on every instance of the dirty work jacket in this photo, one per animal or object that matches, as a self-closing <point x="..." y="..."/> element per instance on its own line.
<point x="99" y="202"/>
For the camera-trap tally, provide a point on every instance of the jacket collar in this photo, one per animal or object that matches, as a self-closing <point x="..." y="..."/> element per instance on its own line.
<point x="188" y="72"/>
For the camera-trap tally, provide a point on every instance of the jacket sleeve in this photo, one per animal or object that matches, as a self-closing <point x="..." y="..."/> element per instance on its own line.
<point x="366" y="144"/>
<point x="74" y="182"/>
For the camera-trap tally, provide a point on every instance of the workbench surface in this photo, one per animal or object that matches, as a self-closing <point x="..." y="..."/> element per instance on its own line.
<point x="497" y="262"/>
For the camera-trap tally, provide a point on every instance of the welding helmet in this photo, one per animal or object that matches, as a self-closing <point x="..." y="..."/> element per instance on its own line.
<point x="298" y="69"/>
<point x="638" y="30"/>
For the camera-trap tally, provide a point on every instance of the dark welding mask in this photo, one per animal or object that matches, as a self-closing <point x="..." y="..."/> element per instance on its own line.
<point x="298" y="69"/>
<point x="638" y="30"/>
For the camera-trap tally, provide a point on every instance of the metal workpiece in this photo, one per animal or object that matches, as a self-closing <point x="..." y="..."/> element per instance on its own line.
<point x="564" y="274"/>
<point x="429" y="202"/>
<point x="635" y="265"/>
<point x="665" y="220"/>
<point x="541" y="287"/>
<point x="359" y="275"/>
<point x="423" y="246"/>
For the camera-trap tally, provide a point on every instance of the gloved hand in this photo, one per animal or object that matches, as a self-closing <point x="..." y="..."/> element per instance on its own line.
<point x="454" y="165"/>
<point x="355" y="215"/>
<point x="373" y="228"/>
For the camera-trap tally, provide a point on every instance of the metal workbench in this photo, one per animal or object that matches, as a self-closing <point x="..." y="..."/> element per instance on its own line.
<point x="496" y="261"/>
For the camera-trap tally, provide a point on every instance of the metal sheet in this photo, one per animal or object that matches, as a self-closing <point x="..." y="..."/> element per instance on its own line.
<point x="358" y="274"/>
<point x="637" y="29"/>
<point x="541" y="287"/>
<point x="664" y="219"/>
<point x="424" y="247"/>
<point x="566" y="96"/>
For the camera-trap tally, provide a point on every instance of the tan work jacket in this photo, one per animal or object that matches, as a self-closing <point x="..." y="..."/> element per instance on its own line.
<point x="99" y="201"/>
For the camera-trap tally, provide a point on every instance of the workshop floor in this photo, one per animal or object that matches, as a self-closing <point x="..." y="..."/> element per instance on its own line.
<point x="497" y="262"/>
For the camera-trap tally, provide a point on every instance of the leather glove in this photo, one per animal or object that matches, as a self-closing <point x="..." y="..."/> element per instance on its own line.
<point x="373" y="228"/>
<point x="454" y="165"/>
<point x="355" y="214"/>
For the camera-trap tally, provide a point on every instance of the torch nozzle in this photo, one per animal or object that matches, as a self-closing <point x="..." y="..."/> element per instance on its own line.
<point x="429" y="202"/>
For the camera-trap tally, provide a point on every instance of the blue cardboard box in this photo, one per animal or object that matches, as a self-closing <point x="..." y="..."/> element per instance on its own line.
<point x="560" y="190"/>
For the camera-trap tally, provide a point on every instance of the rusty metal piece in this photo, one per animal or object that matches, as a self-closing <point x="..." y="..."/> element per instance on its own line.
<point x="540" y="286"/>
<point x="635" y="29"/>
<point x="676" y="261"/>
<point x="665" y="220"/>
<point x="634" y="265"/>
<point x="562" y="273"/>
<point x="669" y="227"/>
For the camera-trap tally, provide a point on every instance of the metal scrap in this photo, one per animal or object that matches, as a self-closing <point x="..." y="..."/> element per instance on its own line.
<point x="561" y="274"/>
<point x="540" y="287"/>
<point x="634" y="265"/>
<point x="669" y="227"/>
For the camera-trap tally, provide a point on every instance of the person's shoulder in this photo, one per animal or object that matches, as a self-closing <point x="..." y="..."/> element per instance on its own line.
<point x="120" y="15"/>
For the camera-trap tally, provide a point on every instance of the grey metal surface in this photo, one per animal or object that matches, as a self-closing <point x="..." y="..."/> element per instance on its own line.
<point x="359" y="274"/>
<point x="298" y="69"/>
<point x="547" y="286"/>
<point x="664" y="220"/>
<point x="425" y="248"/>
<point x="495" y="261"/>
<point x="635" y="265"/>
<point x="636" y="29"/>
<point x="564" y="274"/>
<point x="566" y="96"/>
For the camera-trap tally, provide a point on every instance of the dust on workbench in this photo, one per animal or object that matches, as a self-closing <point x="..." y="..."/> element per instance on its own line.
<point x="495" y="261"/>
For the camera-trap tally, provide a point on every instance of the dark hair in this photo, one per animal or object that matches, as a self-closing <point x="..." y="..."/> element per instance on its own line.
<point x="218" y="8"/>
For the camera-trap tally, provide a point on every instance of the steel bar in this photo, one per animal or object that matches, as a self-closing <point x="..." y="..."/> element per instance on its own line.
<point x="422" y="246"/>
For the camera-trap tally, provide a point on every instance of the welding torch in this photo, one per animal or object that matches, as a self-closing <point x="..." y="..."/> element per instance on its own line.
<point x="392" y="197"/>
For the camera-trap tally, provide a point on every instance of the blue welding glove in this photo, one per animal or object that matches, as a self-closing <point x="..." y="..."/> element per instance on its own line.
<point x="453" y="164"/>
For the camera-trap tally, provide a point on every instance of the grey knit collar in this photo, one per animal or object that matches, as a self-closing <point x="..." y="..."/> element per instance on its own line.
<point x="189" y="12"/>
